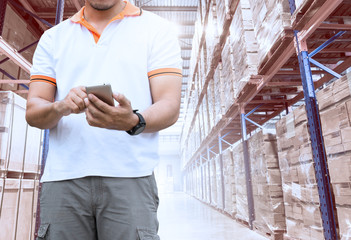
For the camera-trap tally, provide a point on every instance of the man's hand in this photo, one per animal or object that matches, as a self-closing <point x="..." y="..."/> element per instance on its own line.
<point x="73" y="102"/>
<point x="100" y="114"/>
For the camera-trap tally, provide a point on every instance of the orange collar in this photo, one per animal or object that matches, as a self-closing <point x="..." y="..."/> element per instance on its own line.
<point x="129" y="10"/>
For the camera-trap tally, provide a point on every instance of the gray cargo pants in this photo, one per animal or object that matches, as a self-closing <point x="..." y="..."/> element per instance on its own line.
<point x="99" y="208"/>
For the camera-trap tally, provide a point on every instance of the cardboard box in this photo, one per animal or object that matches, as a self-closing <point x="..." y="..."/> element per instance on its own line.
<point x="9" y="208"/>
<point x="25" y="210"/>
<point x="344" y="219"/>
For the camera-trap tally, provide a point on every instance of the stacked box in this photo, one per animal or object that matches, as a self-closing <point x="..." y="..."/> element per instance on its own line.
<point x="270" y="18"/>
<point x="206" y="195"/>
<point x="240" y="184"/>
<point x="242" y="62"/>
<point x="266" y="184"/>
<point x="298" y="174"/>
<point x="219" y="182"/>
<point x="9" y="208"/>
<point x="32" y="150"/>
<point x="229" y="183"/>
<point x="26" y="209"/>
<point x="211" y="34"/>
<point x="211" y="103"/>
<point x="301" y="7"/>
<point x="218" y="94"/>
<point x="227" y="77"/>
<point x="17" y="33"/>
<point x="213" y="178"/>
<point x="222" y="8"/>
<point x="20" y="154"/>
<point x="206" y="115"/>
<point x="13" y="129"/>
<point x="298" y="177"/>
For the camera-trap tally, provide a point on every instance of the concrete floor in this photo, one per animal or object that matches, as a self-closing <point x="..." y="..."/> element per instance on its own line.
<point x="184" y="218"/>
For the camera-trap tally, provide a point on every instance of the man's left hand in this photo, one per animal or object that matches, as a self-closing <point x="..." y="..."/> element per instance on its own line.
<point x="100" y="114"/>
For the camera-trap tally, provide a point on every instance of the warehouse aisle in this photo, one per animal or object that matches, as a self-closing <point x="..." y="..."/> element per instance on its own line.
<point x="183" y="217"/>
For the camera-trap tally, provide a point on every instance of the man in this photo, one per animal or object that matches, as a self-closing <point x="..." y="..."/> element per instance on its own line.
<point x="98" y="181"/>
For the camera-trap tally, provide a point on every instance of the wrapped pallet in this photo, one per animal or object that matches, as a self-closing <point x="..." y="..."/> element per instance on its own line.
<point x="297" y="167"/>
<point x="219" y="182"/>
<point x="270" y="19"/>
<point x="242" y="212"/>
<point x="241" y="56"/>
<point x="301" y="201"/>
<point x="211" y="34"/>
<point x="9" y="207"/>
<point x="227" y="77"/>
<point x="222" y="8"/>
<point x="213" y="178"/>
<point x="218" y="94"/>
<point x="13" y="127"/>
<point x="211" y="103"/>
<point x="267" y="185"/>
<point x="229" y="182"/>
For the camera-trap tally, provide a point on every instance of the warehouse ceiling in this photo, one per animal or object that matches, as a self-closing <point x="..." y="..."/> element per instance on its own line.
<point x="181" y="12"/>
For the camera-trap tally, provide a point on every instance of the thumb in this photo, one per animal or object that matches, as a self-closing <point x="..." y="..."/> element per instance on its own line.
<point x="121" y="99"/>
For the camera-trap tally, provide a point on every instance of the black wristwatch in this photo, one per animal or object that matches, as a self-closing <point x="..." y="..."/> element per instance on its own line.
<point x="139" y="128"/>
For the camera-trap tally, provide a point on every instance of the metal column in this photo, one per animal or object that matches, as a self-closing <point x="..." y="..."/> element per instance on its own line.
<point x="250" y="201"/>
<point x="59" y="11"/>
<point x="222" y="170"/>
<point x="315" y="130"/>
<point x="3" y="4"/>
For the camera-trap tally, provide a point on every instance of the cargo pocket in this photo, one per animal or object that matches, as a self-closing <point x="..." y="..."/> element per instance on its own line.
<point x="147" y="234"/>
<point x="42" y="232"/>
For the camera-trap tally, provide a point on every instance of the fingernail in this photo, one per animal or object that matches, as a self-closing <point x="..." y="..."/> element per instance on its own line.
<point x="86" y="101"/>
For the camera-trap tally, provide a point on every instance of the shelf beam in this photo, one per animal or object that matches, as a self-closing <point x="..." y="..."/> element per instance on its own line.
<point x="17" y="58"/>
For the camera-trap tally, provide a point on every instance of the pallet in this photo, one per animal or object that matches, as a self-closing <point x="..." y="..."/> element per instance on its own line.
<point x="280" y="45"/>
<point x="272" y="235"/>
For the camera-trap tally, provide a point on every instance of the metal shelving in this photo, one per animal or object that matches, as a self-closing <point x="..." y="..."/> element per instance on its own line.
<point x="280" y="77"/>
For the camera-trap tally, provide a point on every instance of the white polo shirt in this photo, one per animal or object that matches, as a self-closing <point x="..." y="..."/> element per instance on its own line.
<point x="134" y="47"/>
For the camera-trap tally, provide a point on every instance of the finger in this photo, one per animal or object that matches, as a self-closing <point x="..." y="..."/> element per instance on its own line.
<point x="95" y="112"/>
<point x="121" y="99"/>
<point x="81" y="92"/>
<point x="101" y="105"/>
<point x="90" y="119"/>
<point x="79" y="102"/>
<point x="73" y="106"/>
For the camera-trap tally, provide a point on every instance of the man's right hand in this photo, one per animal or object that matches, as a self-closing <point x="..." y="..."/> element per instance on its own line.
<point x="73" y="102"/>
<point x="43" y="112"/>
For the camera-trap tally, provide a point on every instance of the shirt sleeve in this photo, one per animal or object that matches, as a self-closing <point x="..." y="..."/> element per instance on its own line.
<point x="43" y="69"/>
<point x="165" y="57"/>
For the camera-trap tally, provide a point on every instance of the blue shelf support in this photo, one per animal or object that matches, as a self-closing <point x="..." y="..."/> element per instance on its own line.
<point x="327" y="207"/>
<point x="250" y="201"/>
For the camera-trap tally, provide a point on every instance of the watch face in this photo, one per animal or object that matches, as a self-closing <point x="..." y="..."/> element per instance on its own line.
<point x="139" y="130"/>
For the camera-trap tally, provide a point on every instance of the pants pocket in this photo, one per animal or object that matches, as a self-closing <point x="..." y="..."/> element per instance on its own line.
<point x="43" y="230"/>
<point x="147" y="234"/>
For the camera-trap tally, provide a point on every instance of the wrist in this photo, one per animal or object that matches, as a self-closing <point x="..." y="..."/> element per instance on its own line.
<point x="140" y="126"/>
<point x="133" y="121"/>
<point x="58" y="108"/>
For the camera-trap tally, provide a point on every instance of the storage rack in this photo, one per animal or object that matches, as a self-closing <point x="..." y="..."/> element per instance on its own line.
<point x="19" y="60"/>
<point x="279" y="76"/>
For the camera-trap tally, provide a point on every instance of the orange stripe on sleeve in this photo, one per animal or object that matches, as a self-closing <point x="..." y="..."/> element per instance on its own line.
<point x="165" y="71"/>
<point x="42" y="78"/>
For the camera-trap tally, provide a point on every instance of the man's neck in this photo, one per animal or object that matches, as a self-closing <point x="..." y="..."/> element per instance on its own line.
<point x="94" y="16"/>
